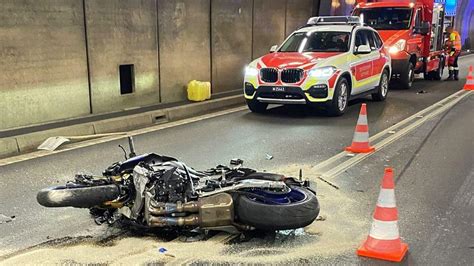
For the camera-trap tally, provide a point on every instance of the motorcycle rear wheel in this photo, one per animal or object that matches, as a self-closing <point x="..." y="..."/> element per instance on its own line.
<point x="77" y="196"/>
<point x="271" y="217"/>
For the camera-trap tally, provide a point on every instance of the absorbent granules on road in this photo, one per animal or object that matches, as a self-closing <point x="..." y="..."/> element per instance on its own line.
<point x="334" y="234"/>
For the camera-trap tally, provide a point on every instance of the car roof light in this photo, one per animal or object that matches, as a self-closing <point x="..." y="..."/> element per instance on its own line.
<point x="334" y="20"/>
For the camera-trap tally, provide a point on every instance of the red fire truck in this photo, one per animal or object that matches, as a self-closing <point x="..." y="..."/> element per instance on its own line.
<point x="412" y="32"/>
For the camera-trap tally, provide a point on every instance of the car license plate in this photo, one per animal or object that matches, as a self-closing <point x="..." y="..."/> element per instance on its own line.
<point x="279" y="89"/>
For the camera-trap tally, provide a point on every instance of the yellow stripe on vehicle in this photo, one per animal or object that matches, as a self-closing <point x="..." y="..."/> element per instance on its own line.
<point x="358" y="84"/>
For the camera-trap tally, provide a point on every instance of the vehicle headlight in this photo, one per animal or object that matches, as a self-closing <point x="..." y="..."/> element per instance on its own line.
<point x="251" y="71"/>
<point x="398" y="46"/>
<point x="322" y="72"/>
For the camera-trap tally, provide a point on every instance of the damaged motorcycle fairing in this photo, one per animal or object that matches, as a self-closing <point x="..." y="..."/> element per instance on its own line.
<point x="155" y="191"/>
<point x="213" y="209"/>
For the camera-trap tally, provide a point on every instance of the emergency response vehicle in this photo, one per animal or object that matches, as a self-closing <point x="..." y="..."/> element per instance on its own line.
<point x="328" y="62"/>
<point x="412" y="31"/>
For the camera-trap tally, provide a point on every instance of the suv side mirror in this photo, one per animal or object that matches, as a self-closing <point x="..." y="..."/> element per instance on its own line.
<point x="362" y="49"/>
<point x="273" y="48"/>
<point x="423" y="28"/>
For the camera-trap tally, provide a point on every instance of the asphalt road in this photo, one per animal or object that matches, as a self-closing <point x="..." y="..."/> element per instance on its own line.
<point x="434" y="185"/>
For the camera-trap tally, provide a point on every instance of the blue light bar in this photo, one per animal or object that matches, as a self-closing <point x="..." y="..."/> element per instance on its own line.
<point x="450" y="7"/>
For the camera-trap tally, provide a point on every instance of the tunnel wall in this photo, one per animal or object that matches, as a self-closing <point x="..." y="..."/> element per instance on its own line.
<point x="231" y="42"/>
<point x="267" y="15"/>
<point x="42" y="62"/>
<point x="60" y="58"/>
<point x="118" y="33"/>
<point x="298" y="12"/>
<point x="184" y="28"/>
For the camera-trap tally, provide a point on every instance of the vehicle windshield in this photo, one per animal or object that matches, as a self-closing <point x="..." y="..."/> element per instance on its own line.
<point x="386" y="18"/>
<point x="321" y="41"/>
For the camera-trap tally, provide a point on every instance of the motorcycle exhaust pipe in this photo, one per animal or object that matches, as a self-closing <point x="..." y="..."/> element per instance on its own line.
<point x="162" y="221"/>
<point x="161" y="208"/>
<point x="212" y="211"/>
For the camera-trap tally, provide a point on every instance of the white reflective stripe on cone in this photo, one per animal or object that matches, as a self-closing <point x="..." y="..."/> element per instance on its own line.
<point x="361" y="137"/>
<point x="470" y="81"/>
<point x="386" y="198"/>
<point x="383" y="230"/>
<point x="362" y="120"/>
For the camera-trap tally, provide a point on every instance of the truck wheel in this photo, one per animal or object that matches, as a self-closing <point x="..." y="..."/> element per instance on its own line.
<point x="438" y="74"/>
<point x="256" y="106"/>
<point x="407" y="77"/>
<point x="382" y="89"/>
<point x="340" y="99"/>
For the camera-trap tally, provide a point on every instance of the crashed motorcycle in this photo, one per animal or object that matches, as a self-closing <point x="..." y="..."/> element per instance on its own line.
<point x="155" y="191"/>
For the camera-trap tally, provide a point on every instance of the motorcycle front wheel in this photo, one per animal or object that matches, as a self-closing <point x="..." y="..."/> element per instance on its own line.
<point x="77" y="196"/>
<point x="276" y="211"/>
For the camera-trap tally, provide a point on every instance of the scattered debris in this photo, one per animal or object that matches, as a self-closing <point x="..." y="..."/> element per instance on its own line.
<point x="420" y="116"/>
<point x="164" y="251"/>
<point x="293" y="232"/>
<point x="6" y="219"/>
<point x="52" y="143"/>
<point x="193" y="238"/>
<point x="422" y="92"/>
<point x="268" y="156"/>
<point x="350" y="155"/>
<point x="321" y="218"/>
<point x="360" y="190"/>
<point x="392" y="132"/>
<point x="327" y="182"/>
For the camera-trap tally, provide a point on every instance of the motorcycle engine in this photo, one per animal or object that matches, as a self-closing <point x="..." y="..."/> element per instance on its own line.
<point x="170" y="185"/>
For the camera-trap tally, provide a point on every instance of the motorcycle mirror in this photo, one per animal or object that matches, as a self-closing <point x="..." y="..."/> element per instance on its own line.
<point x="124" y="152"/>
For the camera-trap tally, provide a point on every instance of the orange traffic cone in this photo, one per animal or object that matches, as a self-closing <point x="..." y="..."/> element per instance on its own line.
<point x="360" y="142"/>
<point x="469" y="86"/>
<point x="384" y="241"/>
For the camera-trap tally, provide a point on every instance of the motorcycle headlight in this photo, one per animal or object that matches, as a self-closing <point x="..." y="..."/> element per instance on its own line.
<point x="251" y="71"/>
<point x="322" y="72"/>
<point x="398" y="46"/>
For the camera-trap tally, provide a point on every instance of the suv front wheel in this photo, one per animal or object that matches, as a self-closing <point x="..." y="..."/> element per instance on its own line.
<point x="382" y="89"/>
<point x="340" y="99"/>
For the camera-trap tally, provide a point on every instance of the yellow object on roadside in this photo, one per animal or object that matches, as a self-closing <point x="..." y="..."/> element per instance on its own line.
<point x="199" y="91"/>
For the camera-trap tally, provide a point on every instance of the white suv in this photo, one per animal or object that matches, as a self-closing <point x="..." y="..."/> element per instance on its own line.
<point x="329" y="61"/>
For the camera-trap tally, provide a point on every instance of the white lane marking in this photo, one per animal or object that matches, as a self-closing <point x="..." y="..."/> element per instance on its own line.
<point x="38" y="154"/>
<point x="391" y="130"/>
<point x="343" y="166"/>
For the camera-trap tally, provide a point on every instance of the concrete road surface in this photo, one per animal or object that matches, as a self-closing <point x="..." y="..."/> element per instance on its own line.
<point x="433" y="169"/>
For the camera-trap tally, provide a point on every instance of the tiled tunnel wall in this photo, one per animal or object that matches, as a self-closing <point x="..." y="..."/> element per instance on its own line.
<point x="60" y="59"/>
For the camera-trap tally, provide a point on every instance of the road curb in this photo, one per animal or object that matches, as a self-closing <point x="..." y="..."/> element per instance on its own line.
<point x="24" y="143"/>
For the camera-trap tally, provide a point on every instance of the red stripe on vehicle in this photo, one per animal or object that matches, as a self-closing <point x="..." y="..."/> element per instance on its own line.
<point x="332" y="80"/>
